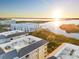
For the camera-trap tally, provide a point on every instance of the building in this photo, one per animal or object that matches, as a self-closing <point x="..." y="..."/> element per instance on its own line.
<point x="28" y="47"/>
<point x="7" y="22"/>
<point x="11" y="35"/>
<point x="65" y="51"/>
<point x="27" y="27"/>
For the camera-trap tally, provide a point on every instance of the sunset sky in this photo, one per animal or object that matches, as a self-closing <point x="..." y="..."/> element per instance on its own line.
<point x="39" y="8"/>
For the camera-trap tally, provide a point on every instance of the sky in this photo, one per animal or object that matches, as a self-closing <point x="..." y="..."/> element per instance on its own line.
<point x="39" y="8"/>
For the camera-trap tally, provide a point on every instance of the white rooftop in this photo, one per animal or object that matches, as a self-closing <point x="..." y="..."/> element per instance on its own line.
<point x="66" y="51"/>
<point x="19" y="43"/>
<point x="10" y="32"/>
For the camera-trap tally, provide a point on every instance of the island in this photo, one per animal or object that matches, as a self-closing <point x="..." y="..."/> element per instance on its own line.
<point x="70" y="28"/>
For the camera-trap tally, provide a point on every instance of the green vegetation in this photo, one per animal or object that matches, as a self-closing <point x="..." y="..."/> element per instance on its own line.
<point x="5" y="18"/>
<point x="54" y="39"/>
<point x="2" y="28"/>
<point x="31" y="21"/>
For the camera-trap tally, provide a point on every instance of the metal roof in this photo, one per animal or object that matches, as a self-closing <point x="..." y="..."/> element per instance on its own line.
<point x="31" y="47"/>
<point x="1" y="51"/>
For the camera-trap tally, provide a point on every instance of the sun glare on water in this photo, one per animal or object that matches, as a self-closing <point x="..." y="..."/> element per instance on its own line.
<point x="57" y="14"/>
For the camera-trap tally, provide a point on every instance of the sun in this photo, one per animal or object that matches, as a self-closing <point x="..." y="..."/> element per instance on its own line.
<point x="57" y="14"/>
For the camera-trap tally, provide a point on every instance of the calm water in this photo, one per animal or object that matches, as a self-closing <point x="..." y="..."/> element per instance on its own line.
<point x="54" y="27"/>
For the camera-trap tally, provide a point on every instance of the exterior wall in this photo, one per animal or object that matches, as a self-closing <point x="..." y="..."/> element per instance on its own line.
<point x="27" y="27"/>
<point x="34" y="54"/>
<point x="39" y="53"/>
<point x="43" y="52"/>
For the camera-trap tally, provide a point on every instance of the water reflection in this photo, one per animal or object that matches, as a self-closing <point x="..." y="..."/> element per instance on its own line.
<point x="55" y="27"/>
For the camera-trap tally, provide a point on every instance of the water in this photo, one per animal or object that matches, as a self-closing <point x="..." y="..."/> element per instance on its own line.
<point x="54" y="27"/>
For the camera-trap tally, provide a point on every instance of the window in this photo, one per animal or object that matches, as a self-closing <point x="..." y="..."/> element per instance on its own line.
<point x="14" y="28"/>
<point x="27" y="56"/>
<point x="11" y="39"/>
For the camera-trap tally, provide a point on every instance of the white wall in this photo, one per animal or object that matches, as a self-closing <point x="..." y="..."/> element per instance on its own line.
<point x="38" y="53"/>
<point x="27" y="27"/>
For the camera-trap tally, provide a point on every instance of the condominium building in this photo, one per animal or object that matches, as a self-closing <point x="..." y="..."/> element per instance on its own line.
<point x="7" y="22"/>
<point x="11" y="35"/>
<point x="28" y="47"/>
<point x="65" y="51"/>
<point x="27" y="27"/>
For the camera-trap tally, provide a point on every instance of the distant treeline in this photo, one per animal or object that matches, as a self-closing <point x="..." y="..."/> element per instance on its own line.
<point x="31" y="21"/>
<point x="5" y="18"/>
<point x="39" y="18"/>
